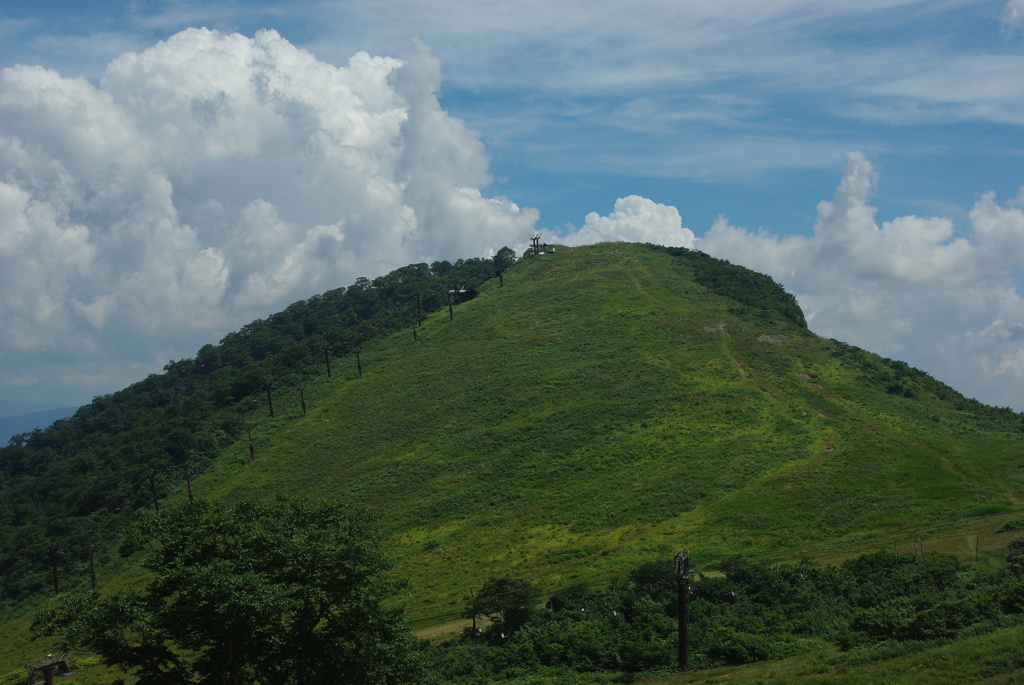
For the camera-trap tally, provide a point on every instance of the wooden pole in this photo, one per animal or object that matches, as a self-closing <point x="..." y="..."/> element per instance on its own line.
<point x="327" y="358"/>
<point x="683" y="600"/>
<point x="268" y="386"/>
<point x="55" y="552"/>
<point x="92" y="567"/>
<point x="359" y="363"/>
<point x="472" y="601"/>
<point x="302" y="398"/>
<point x="252" y="449"/>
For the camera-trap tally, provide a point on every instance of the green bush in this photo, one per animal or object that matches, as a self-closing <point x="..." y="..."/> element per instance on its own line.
<point x="751" y="612"/>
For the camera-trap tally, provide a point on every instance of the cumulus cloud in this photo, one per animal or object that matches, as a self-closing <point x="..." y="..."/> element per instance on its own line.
<point x="634" y="219"/>
<point x="910" y="288"/>
<point x="212" y="179"/>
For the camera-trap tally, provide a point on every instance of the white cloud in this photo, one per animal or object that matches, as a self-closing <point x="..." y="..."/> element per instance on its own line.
<point x="1012" y="17"/>
<point x="20" y="381"/>
<point x="689" y="88"/>
<point x="732" y="73"/>
<point x="214" y="178"/>
<point x="634" y="219"/>
<point x="908" y="289"/>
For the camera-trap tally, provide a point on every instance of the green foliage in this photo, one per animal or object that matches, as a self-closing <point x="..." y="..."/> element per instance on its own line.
<point x="749" y="612"/>
<point x="763" y="298"/>
<point x="508" y="602"/>
<point x="503" y="259"/>
<point x="284" y="592"/>
<point x="1015" y="558"/>
<point x="1013" y="524"/>
<point x="899" y="378"/>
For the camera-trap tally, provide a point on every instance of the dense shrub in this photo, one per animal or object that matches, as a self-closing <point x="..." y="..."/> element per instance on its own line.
<point x="750" y="612"/>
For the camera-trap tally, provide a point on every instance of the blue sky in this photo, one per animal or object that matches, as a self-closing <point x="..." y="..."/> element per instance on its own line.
<point x="866" y="155"/>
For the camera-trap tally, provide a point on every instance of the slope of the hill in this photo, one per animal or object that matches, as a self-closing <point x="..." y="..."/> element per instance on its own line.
<point x="70" y="487"/>
<point x="607" y="407"/>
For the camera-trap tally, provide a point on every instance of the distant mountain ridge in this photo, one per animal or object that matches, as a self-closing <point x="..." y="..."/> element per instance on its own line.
<point x="16" y="424"/>
<point x="10" y="408"/>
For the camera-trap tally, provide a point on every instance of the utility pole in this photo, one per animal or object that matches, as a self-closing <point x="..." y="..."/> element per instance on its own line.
<point x="302" y="398"/>
<point x="252" y="449"/>
<point x="359" y="362"/>
<point x="327" y="357"/>
<point x="451" y="314"/>
<point x="414" y="338"/>
<point x="268" y="386"/>
<point x="419" y="315"/>
<point x="188" y="482"/>
<point x="683" y="600"/>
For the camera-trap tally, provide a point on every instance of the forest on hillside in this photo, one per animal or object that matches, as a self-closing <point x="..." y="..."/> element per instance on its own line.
<point x="65" y="491"/>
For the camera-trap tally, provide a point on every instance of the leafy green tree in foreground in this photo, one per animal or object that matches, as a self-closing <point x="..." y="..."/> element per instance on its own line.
<point x="280" y="592"/>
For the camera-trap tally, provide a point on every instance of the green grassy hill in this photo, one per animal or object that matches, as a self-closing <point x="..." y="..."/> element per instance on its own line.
<point x="614" y="403"/>
<point x="604" y="408"/>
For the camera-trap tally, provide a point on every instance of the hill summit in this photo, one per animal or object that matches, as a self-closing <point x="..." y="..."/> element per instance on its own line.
<point x="610" y="404"/>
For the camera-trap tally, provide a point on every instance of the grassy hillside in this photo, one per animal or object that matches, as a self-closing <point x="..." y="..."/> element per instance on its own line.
<point x="614" y="403"/>
<point x="75" y="484"/>
<point x="605" y="408"/>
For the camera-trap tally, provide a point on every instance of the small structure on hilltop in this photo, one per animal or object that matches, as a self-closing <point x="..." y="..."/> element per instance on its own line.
<point x="44" y="672"/>
<point x="537" y="247"/>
